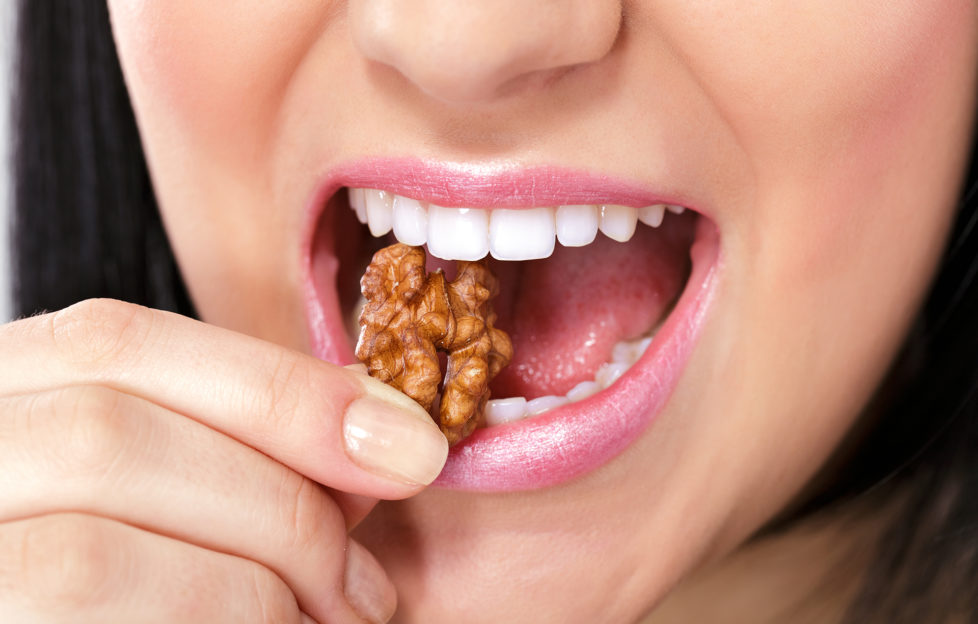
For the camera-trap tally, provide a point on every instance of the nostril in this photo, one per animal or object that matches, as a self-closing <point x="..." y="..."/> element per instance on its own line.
<point x="468" y="51"/>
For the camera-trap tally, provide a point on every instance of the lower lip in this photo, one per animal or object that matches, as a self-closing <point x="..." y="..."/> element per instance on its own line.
<point x="575" y="439"/>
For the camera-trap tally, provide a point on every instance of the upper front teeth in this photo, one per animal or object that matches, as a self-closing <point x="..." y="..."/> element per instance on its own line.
<point x="380" y="215"/>
<point x="458" y="233"/>
<point x="519" y="234"/>
<point x="618" y="222"/>
<point x="410" y="221"/>
<point x="576" y="225"/>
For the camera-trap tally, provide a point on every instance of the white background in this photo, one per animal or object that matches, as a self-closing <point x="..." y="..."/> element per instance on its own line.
<point x="6" y="49"/>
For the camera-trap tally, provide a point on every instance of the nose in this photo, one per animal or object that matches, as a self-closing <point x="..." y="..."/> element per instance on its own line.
<point x="472" y="50"/>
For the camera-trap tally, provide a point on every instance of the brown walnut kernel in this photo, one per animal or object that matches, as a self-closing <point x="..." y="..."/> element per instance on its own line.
<point x="410" y="315"/>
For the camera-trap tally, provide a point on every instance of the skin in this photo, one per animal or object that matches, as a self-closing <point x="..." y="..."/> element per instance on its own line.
<point x="828" y="139"/>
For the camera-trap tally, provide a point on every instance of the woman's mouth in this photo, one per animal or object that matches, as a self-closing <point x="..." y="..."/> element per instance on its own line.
<point x="603" y="290"/>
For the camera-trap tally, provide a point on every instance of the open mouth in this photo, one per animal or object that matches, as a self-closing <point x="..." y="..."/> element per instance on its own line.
<point x="602" y="294"/>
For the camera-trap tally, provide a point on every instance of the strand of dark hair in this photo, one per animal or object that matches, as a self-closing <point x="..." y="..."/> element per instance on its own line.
<point x="87" y="225"/>
<point x="925" y="449"/>
<point x="85" y="219"/>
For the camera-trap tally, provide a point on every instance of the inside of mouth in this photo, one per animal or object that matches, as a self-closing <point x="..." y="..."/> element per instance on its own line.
<point x="578" y="319"/>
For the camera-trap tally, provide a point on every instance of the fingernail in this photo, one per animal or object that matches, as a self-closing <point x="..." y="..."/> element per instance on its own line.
<point x="367" y="588"/>
<point x="396" y="440"/>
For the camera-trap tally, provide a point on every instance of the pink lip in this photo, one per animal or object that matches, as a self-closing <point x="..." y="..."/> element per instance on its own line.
<point x="572" y="440"/>
<point x="486" y="186"/>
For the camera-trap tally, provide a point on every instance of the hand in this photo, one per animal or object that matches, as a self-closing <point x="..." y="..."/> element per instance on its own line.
<point x="158" y="469"/>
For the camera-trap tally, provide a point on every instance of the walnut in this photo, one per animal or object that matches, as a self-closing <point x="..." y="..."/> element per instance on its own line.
<point x="410" y="315"/>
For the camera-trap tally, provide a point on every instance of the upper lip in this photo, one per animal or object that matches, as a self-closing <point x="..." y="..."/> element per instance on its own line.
<point x="491" y="185"/>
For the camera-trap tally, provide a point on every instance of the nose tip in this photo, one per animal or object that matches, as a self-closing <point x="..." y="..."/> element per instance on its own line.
<point x="471" y="50"/>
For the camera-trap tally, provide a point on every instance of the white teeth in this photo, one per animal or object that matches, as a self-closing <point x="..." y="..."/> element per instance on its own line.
<point x="610" y="372"/>
<point x="583" y="390"/>
<point x="652" y="215"/>
<point x="511" y="234"/>
<point x="379" y="213"/>
<point x="501" y="411"/>
<point x="642" y="346"/>
<point x="618" y="222"/>
<point x="508" y="234"/>
<point x="458" y="233"/>
<point x="543" y="404"/>
<point x="623" y="355"/>
<point x="624" y="352"/>
<point x="577" y="225"/>
<point x="358" y="204"/>
<point x="410" y="221"/>
<point x="521" y="234"/>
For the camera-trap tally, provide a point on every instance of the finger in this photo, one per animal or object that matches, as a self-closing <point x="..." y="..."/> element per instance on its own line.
<point x="341" y="428"/>
<point x="373" y="601"/>
<point x="98" y="451"/>
<point x="79" y="568"/>
<point x="353" y="506"/>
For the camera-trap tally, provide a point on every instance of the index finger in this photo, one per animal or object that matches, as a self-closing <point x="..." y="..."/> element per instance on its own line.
<point x="335" y="426"/>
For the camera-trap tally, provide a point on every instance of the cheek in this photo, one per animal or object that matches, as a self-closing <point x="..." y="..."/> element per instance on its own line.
<point x="860" y="199"/>
<point x="805" y="82"/>
<point x="844" y="111"/>
<point x="864" y="207"/>
<point x="213" y="71"/>
<point x="207" y="80"/>
<point x="855" y="128"/>
<point x="855" y="120"/>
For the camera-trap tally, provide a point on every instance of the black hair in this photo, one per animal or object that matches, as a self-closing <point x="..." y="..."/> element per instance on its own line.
<point x="85" y="217"/>
<point x="86" y="225"/>
<point x="923" y="451"/>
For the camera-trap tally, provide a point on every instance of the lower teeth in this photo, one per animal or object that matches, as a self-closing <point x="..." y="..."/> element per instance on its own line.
<point x="502" y="411"/>
<point x="625" y="353"/>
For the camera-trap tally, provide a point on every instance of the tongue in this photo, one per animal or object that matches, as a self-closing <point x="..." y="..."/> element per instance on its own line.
<point x="565" y="313"/>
